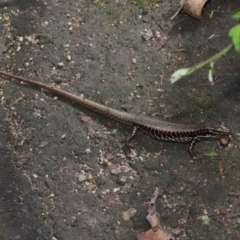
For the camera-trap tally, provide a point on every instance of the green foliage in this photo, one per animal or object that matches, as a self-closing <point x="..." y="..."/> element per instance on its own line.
<point x="211" y="14"/>
<point x="211" y="154"/>
<point x="236" y="15"/>
<point x="209" y="62"/>
<point x="141" y="4"/>
<point x="235" y="34"/>
<point x="207" y="221"/>
<point x="5" y="17"/>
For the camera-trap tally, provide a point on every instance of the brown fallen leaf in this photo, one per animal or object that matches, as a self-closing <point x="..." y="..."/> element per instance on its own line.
<point x="194" y="7"/>
<point x="191" y="7"/>
<point x="151" y="235"/>
<point x="157" y="232"/>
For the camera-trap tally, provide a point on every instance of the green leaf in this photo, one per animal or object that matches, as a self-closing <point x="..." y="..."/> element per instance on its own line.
<point x="5" y="17"/>
<point x="211" y="154"/>
<point x="235" y="34"/>
<point x="211" y="14"/>
<point x="236" y="15"/>
<point x="207" y="221"/>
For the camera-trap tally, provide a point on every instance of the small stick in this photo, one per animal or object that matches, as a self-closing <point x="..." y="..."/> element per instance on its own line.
<point x="179" y="9"/>
<point x="233" y="194"/>
<point x="233" y="215"/>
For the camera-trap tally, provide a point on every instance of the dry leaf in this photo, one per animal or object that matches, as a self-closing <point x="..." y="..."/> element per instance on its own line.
<point x="194" y="7"/>
<point x="157" y="232"/>
<point x="151" y="235"/>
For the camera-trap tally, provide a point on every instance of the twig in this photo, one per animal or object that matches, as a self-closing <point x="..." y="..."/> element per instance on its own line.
<point x="179" y="9"/>
<point x="175" y="172"/>
<point x="234" y="194"/>
<point x="223" y="222"/>
<point x="220" y="167"/>
<point x="233" y="215"/>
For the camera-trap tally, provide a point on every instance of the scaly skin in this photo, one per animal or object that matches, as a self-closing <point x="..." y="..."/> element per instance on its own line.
<point x="153" y="127"/>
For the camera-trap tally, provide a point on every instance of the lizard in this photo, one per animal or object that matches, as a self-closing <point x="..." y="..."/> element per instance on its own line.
<point x="151" y="126"/>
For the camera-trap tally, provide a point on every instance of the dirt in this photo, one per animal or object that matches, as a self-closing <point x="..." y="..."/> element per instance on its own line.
<point x="65" y="173"/>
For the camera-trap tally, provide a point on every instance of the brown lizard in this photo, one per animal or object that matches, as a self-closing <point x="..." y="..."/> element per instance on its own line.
<point x="153" y="127"/>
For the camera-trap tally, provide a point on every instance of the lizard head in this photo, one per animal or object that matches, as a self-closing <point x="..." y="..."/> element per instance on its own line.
<point x="220" y="130"/>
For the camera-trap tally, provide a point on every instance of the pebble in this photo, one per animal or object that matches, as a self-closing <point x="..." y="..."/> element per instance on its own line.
<point x="116" y="189"/>
<point x="21" y="199"/>
<point x="69" y="58"/>
<point x="106" y="191"/>
<point x="110" y="156"/>
<point x="100" y="181"/>
<point x="43" y="144"/>
<point x="82" y="177"/>
<point x="158" y="35"/>
<point x="122" y="180"/>
<point x="147" y="35"/>
<point x="88" y="150"/>
<point x="115" y="171"/>
<point x="90" y="176"/>
<point x="57" y="81"/>
<point x="205" y="217"/>
<point x="60" y="65"/>
<point x="128" y="214"/>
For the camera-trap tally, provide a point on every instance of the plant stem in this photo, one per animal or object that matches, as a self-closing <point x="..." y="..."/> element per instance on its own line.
<point x="180" y="73"/>
<point x="212" y="59"/>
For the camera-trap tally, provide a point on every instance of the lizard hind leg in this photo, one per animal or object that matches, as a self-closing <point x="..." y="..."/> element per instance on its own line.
<point x="192" y="151"/>
<point x="131" y="137"/>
